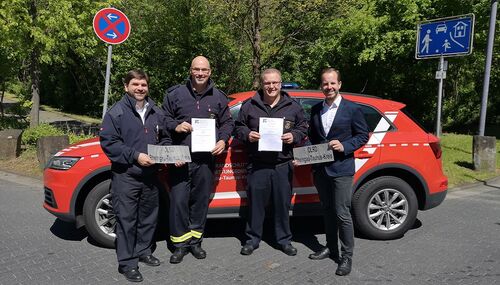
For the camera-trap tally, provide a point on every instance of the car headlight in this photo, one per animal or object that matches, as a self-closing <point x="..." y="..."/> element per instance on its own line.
<point x="62" y="162"/>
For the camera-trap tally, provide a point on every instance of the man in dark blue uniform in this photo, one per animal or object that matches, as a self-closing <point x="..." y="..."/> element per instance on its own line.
<point x="127" y="128"/>
<point x="340" y="123"/>
<point x="192" y="183"/>
<point x="270" y="173"/>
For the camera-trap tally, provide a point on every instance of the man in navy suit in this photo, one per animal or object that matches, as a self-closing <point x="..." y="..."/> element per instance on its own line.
<point x="341" y="124"/>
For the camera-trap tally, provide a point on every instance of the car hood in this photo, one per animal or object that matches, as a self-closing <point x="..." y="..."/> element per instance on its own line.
<point x="83" y="148"/>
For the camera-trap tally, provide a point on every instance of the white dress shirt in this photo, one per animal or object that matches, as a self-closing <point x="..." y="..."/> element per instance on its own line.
<point x="142" y="111"/>
<point x="328" y="113"/>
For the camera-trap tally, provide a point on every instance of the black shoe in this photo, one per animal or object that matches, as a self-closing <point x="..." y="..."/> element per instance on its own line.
<point x="247" y="249"/>
<point x="198" y="252"/>
<point x="344" y="266"/>
<point x="132" y="275"/>
<point x="320" y="254"/>
<point x="289" y="250"/>
<point x="178" y="255"/>
<point x="149" y="260"/>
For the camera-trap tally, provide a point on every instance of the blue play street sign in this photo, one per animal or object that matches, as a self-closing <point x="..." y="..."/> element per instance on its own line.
<point x="445" y="37"/>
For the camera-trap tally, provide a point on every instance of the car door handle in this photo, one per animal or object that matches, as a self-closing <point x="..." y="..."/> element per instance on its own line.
<point x="364" y="154"/>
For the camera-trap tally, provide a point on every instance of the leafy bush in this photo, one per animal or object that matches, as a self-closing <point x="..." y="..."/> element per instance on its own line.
<point x="31" y="135"/>
<point x="74" y="138"/>
<point x="15" y="116"/>
<point x="12" y="123"/>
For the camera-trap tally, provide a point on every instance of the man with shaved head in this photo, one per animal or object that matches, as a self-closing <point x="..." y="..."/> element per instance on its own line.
<point x="191" y="183"/>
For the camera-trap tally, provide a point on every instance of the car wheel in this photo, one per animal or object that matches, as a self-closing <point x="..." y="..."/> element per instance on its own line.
<point x="384" y="208"/>
<point x="98" y="213"/>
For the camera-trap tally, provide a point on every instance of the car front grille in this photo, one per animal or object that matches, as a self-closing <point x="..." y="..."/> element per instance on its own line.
<point x="49" y="198"/>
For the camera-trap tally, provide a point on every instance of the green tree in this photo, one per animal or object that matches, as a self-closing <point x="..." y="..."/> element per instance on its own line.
<point x="266" y="30"/>
<point x="44" y="32"/>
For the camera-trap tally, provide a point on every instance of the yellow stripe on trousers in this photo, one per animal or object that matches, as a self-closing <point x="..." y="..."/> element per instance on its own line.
<point x="181" y="238"/>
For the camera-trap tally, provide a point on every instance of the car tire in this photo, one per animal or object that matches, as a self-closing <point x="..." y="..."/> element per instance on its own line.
<point x="98" y="215"/>
<point x="384" y="208"/>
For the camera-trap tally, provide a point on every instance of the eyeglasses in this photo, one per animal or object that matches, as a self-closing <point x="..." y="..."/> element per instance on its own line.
<point x="200" y="70"/>
<point x="271" y="83"/>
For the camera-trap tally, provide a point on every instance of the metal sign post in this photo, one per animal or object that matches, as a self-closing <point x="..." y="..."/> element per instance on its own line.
<point x="441" y="38"/>
<point x="106" y="85"/>
<point x="487" y="69"/>
<point x="113" y="27"/>
<point x="441" y="75"/>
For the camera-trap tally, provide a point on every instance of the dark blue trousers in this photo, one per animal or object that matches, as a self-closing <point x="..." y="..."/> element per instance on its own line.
<point x="335" y="194"/>
<point x="265" y="182"/>
<point x="190" y="189"/>
<point x="135" y="204"/>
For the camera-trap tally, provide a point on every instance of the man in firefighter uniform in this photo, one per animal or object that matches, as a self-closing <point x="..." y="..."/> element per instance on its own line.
<point x="270" y="173"/>
<point x="128" y="127"/>
<point x="192" y="183"/>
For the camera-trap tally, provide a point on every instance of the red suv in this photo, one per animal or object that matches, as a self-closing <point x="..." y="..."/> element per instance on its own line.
<point x="398" y="172"/>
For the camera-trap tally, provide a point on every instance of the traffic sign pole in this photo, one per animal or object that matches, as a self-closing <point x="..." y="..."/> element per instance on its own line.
<point x="106" y="85"/>
<point x="440" y="96"/>
<point x="487" y="69"/>
<point x="112" y="27"/>
<point x="445" y="37"/>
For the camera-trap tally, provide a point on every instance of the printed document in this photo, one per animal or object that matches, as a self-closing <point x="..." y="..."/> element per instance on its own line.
<point x="203" y="135"/>
<point x="270" y="130"/>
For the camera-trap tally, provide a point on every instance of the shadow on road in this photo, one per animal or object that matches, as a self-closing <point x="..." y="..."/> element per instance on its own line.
<point x="67" y="231"/>
<point x="304" y="230"/>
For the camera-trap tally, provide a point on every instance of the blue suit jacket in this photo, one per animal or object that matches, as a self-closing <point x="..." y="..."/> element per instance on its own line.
<point x="349" y="127"/>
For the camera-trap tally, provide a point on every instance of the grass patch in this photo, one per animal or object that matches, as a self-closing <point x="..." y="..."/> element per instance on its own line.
<point x="26" y="164"/>
<point x="457" y="160"/>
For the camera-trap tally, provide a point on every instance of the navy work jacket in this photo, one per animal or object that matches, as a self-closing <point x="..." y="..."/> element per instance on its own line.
<point x="294" y="122"/>
<point x="349" y="127"/>
<point x="123" y="136"/>
<point x="181" y="104"/>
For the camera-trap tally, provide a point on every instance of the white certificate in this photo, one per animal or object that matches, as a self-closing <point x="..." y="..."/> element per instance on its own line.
<point x="203" y="135"/>
<point x="313" y="154"/>
<point x="270" y="130"/>
<point x="169" y="153"/>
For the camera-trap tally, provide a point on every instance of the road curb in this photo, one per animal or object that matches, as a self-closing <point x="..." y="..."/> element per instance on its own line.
<point x="494" y="180"/>
<point x="21" y="179"/>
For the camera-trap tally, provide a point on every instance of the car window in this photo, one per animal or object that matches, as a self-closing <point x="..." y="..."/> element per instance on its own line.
<point x="235" y="110"/>
<point x="374" y="118"/>
<point x="307" y="104"/>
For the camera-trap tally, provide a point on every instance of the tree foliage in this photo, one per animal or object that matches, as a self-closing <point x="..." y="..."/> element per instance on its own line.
<point x="372" y="42"/>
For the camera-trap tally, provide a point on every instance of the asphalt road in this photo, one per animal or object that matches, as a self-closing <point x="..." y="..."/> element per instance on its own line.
<point x="455" y="243"/>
